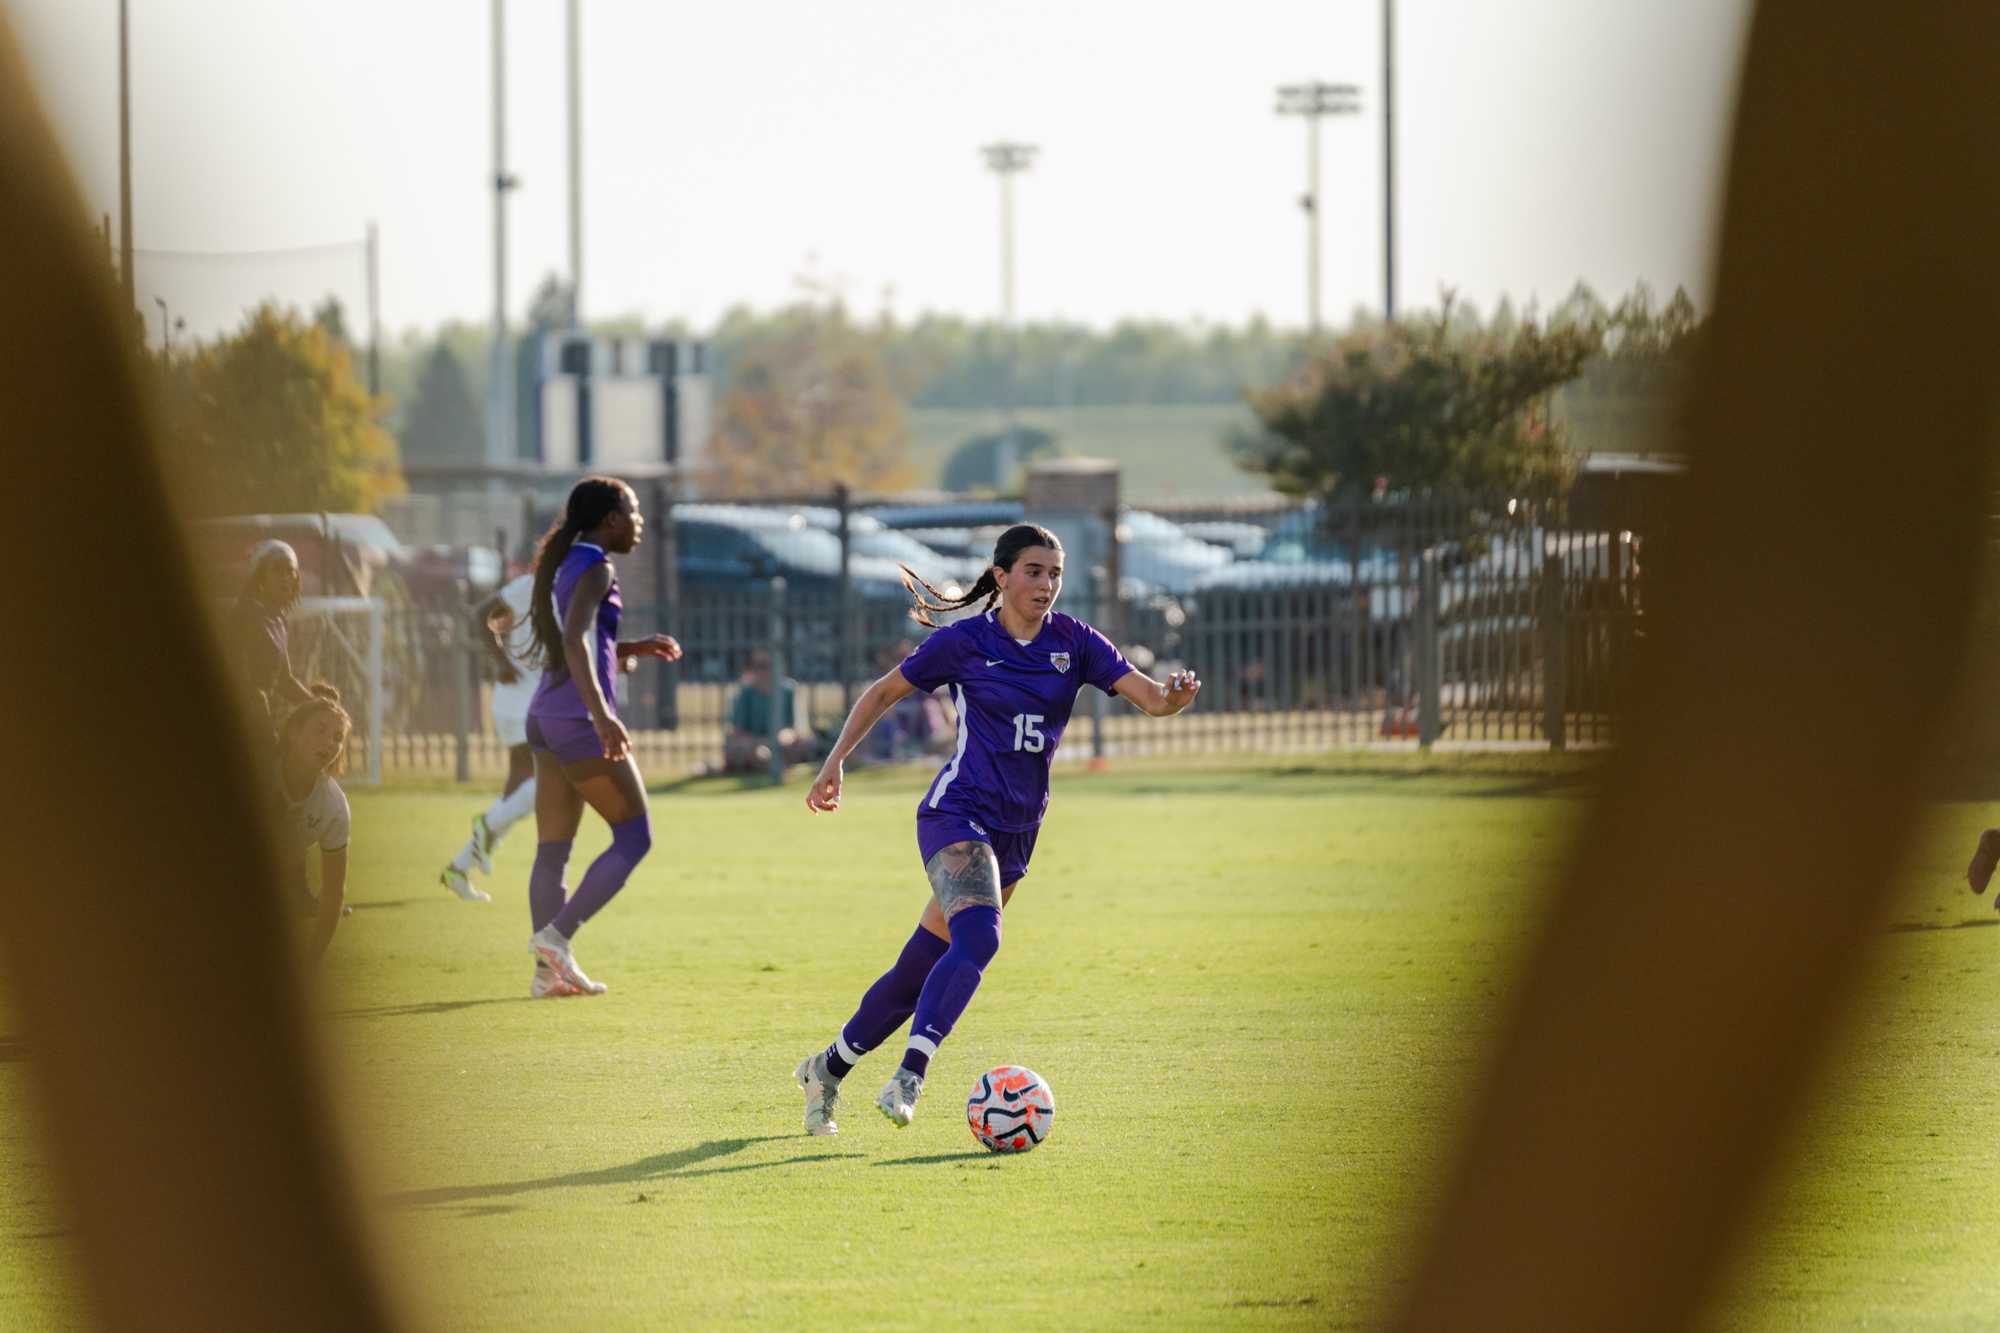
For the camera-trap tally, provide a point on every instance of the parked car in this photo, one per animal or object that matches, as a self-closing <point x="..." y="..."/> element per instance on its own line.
<point x="728" y="556"/>
<point x="868" y="536"/>
<point x="1245" y="541"/>
<point x="1162" y="554"/>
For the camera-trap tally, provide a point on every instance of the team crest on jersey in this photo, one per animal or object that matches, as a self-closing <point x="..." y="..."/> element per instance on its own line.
<point x="1060" y="661"/>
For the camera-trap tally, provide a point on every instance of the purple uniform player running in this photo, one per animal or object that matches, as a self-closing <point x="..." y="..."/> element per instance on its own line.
<point x="1014" y="672"/>
<point x="582" y="752"/>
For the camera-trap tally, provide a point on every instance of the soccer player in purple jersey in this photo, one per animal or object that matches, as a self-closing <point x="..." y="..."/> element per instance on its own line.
<point x="582" y="752"/>
<point x="1014" y="672"/>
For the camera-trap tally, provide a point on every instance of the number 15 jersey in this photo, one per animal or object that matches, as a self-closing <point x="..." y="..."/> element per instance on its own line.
<point x="1013" y="700"/>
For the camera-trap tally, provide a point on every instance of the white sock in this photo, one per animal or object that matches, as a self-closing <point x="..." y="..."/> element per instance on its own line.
<point x="507" y="811"/>
<point x="462" y="863"/>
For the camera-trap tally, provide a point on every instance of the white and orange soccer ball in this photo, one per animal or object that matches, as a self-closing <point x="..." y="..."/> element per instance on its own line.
<point x="1011" y="1109"/>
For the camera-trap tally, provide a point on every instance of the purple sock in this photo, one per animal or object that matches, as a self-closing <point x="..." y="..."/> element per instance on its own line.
<point x="888" y="1003"/>
<point x="975" y="939"/>
<point x="630" y="842"/>
<point x="545" y="886"/>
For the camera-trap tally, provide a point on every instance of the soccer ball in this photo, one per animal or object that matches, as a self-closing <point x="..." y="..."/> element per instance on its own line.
<point x="1011" y="1109"/>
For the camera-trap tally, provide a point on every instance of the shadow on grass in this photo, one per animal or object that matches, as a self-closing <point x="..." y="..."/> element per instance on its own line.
<point x="378" y="904"/>
<point x="433" y="1007"/>
<point x="938" y="1158"/>
<point x="13" y="1049"/>
<point x="1903" y="927"/>
<point x="661" y="1166"/>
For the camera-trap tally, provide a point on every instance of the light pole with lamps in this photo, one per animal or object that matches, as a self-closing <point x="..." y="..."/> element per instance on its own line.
<point x="1006" y="160"/>
<point x="1314" y="100"/>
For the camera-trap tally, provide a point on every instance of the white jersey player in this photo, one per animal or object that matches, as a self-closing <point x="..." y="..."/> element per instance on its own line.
<point x="503" y="630"/>
<point x="311" y="808"/>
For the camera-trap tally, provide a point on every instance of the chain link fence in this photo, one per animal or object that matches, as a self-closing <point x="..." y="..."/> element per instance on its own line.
<point x="1377" y="620"/>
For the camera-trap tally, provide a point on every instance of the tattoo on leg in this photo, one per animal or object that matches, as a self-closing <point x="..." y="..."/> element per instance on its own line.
<point x="964" y="875"/>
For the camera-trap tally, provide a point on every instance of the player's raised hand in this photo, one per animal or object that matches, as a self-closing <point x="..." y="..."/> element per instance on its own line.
<point x="1182" y="687"/>
<point x="824" y="794"/>
<point x="663" y="646"/>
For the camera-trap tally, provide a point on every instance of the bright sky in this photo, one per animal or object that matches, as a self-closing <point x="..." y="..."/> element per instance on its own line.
<point x="730" y="148"/>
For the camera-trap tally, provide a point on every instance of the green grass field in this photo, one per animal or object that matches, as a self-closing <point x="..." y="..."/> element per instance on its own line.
<point x="1256" y="991"/>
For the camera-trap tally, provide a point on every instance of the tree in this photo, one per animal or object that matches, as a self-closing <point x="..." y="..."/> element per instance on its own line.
<point x="552" y="309"/>
<point x="809" y="403"/>
<point x="272" y="420"/>
<point x="330" y="317"/>
<point x="1432" y="403"/>
<point x="973" y="464"/>
<point x="442" y="420"/>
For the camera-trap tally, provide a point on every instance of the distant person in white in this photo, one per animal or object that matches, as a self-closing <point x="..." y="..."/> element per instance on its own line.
<point x="312" y="742"/>
<point x="503" y="630"/>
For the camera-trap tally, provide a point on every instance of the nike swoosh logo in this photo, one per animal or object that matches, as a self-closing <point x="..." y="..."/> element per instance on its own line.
<point x="995" y="661"/>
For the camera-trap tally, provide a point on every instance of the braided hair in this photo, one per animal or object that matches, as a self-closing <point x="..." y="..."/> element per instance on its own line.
<point x="930" y="602"/>
<point x="590" y="502"/>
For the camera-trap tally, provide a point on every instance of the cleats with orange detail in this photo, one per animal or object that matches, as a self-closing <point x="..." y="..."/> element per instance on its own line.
<point x="549" y="986"/>
<point x="552" y="950"/>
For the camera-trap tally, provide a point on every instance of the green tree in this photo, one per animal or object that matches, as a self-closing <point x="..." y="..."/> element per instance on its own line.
<point x="973" y="464"/>
<point x="442" y="421"/>
<point x="1626" y="399"/>
<point x="271" y="419"/>
<point x="809" y="402"/>
<point x="1431" y="403"/>
<point x="330" y="317"/>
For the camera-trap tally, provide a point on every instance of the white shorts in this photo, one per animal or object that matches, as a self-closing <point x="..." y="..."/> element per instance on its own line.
<point x="513" y="730"/>
<point x="510" y="709"/>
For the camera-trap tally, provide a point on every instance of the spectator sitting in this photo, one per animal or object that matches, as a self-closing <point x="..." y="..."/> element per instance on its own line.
<point x="915" y="727"/>
<point x="746" y="743"/>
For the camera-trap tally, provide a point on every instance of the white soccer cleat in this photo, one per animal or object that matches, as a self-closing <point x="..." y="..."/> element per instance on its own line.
<point x="552" y="949"/>
<point x="455" y="879"/>
<point x="822" y="1094"/>
<point x="548" y="985"/>
<point x="482" y="845"/>
<point x="899" y="1098"/>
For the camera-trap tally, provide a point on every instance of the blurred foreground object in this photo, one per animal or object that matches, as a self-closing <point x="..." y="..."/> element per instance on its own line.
<point x="191" y="1130"/>
<point x="1708" y="930"/>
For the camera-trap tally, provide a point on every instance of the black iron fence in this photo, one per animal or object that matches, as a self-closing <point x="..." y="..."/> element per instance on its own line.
<point x="1373" y="621"/>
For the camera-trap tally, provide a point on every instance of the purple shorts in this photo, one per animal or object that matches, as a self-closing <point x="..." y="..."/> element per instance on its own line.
<point x="937" y="829"/>
<point x="569" y="739"/>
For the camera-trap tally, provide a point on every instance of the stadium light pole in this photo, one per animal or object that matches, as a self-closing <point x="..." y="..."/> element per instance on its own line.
<point x="500" y="447"/>
<point x="1389" y="160"/>
<point x="1312" y="101"/>
<point x="573" y="43"/>
<point x="125" y="280"/>
<point x="1007" y="160"/>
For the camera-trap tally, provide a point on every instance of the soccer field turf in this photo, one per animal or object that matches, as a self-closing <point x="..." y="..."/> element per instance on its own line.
<point x="1255" y="990"/>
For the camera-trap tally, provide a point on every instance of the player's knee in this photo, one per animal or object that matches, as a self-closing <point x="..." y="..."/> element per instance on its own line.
<point x="975" y="932"/>
<point x="634" y="837"/>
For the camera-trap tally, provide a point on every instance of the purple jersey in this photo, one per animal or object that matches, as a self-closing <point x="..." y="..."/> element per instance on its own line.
<point x="557" y="695"/>
<point x="1013" y="701"/>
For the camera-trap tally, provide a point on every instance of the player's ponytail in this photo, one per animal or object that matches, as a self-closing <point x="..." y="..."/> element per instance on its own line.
<point x="930" y="602"/>
<point x="590" y="502"/>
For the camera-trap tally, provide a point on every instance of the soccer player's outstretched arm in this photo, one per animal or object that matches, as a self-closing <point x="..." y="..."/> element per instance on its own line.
<point x="877" y="699"/>
<point x="488" y="634"/>
<point x="1157" y="698"/>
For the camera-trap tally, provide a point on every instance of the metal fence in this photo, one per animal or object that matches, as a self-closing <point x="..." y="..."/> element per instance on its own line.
<point x="1373" y="621"/>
